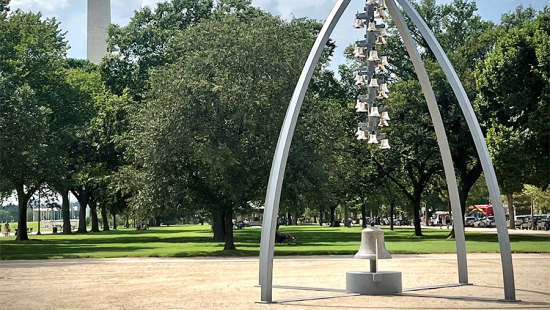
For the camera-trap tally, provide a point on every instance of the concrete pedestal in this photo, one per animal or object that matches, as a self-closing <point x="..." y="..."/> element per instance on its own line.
<point x="374" y="283"/>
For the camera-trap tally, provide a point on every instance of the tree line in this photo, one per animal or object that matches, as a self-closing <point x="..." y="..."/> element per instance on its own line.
<point x="184" y="112"/>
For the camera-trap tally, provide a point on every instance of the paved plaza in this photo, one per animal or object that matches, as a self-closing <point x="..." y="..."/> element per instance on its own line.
<point x="168" y="283"/>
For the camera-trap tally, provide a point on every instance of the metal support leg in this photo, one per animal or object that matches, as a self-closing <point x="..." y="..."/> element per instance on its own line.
<point x="281" y="153"/>
<point x="442" y="140"/>
<point x="481" y="147"/>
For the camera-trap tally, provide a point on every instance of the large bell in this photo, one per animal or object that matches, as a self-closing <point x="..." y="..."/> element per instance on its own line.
<point x="373" y="56"/>
<point x="361" y="107"/>
<point x="361" y="135"/>
<point x="359" y="52"/>
<point x="373" y="83"/>
<point x="371" y="236"/>
<point x="371" y="27"/>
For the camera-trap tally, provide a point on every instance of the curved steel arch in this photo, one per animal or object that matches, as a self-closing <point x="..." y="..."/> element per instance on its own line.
<point x="285" y="138"/>
<point x="481" y="147"/>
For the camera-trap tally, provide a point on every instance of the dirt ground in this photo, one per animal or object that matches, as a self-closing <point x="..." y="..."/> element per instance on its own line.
<point x="153" y="283"/>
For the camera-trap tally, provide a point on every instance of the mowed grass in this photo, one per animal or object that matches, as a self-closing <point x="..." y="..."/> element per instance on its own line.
<point x="195" y="240"/>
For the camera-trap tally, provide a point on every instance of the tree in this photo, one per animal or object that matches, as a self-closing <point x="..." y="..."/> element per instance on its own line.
<point x="212" y="118"/>
<point x="514" y="94"/>
<point x="4" y="6"/>
<point x="33" y="107"/>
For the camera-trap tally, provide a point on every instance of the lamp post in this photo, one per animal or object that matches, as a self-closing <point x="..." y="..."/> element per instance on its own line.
<point x="38" y="232"/>
<point x="375" y="65"/>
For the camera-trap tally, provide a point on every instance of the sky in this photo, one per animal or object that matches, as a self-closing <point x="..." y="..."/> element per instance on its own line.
<point x="72" y="15"/>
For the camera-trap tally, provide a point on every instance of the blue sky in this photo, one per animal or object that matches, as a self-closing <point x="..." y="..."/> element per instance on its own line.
<point x="72" y="15"/>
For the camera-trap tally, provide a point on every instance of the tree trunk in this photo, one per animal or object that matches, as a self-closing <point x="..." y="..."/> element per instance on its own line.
<point x="332" y="220"/>
<point x="288" y="219"/>
<point x="416" y="212"/>
<point x="23" y="199"/>
<point x="296" y="216"/>
<point x="114" y="221"/>
<point x="347" y="222"/>
<point x="218" y="226"/>
<point x="93" y="213"/>
<point x="229" y="241"/>
<point x="321" y="217"/>
<point x="392" y="210"/>
<point x="511" y="212"/>
<point x="65" y="207"/>
<point x="103" y="209"/>
<point x="364" y="215"/>
<point x="83" y="196"/>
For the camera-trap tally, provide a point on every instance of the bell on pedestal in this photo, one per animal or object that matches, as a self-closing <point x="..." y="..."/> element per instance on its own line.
<point x="361" y="135"/>
<point x="384" y="144"/>
<point x="374" y="112"/>
<point x="372" y="139"/>
<point x="385" y="116"/>
<point x="371" y="236"/>
<point x="372" y="2"/>
<point x="383" y="123"/>
<point x="373" y="56"/>
<point x="371" y="27"/>
<point x="373" y="83"/>
<point x="358" y="24"/>
<point x="361" y="107"/>
<point x="380" y="40"/>
<point x="359" y="52"/>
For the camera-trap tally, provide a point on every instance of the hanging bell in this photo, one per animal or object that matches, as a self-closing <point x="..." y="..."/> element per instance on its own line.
<point x="371" y="27"/>
<point x="382" y="95"/>
<point x="384" y="61"/>
<point x="373" y="83"/>
<point x="382" y="5"/>
<point x="361" y="107"/>
<point x="381" y="68"/>
<point x="383" y="31"/>
<point x="371" y="236"/>
<point x="385" y="116"/>
<point x="373" y="56"/>
<point x="361" y="135"/>
<point x="384" y="87"/>
<point x="383" y="123"/>
<point x="384" y="144"/>
<point x="374" y="112"/>
<point x="358" y="24"/>
<point x="380" y="14"/>
<point x="372" y="2"/>
<point x="380" y="40"/>
<point x="359" y="79"/>
<point x="358" y="131"/>
<point x="372" y="140"/>
<point x="359" y="52"/>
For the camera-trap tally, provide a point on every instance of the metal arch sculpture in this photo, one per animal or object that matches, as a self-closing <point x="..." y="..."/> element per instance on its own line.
<point x="285" y="138"/>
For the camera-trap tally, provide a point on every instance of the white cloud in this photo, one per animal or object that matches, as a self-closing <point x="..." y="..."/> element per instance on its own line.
<point x="45" y="6"/>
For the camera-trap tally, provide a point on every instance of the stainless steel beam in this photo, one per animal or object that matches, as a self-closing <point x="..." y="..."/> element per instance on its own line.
<point x="481" y="147"/>
<point x="442" y="140"/>
<point x="278" y="166"/>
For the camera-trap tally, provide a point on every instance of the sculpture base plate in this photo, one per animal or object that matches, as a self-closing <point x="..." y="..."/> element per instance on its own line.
<point x="374" y="283"/>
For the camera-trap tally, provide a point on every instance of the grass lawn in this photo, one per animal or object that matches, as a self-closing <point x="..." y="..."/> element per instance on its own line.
<point x="195" y="240"/>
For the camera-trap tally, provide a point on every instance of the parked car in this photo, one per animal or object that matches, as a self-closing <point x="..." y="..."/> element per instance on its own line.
<point x="469" y="221"/>
<point x="522" y="221"/>
<point x="490" y="221"/>
<point x="405" y="222"/>
<point x="480" y="222"/>
<point x="544" y="223"/>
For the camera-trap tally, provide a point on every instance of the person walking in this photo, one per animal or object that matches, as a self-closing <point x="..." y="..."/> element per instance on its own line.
<point x="448" y="221"/>
<point x="7" y="229"/>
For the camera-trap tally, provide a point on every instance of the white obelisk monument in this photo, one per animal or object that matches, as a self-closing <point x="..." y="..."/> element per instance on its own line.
<point x="99" y="18"/>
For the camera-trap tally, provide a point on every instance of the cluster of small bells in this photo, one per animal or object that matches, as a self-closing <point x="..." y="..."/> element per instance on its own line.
<point x="375" y="64"/>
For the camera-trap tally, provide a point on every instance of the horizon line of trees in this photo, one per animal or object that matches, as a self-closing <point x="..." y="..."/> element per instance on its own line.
<point x="184" y="113"/>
